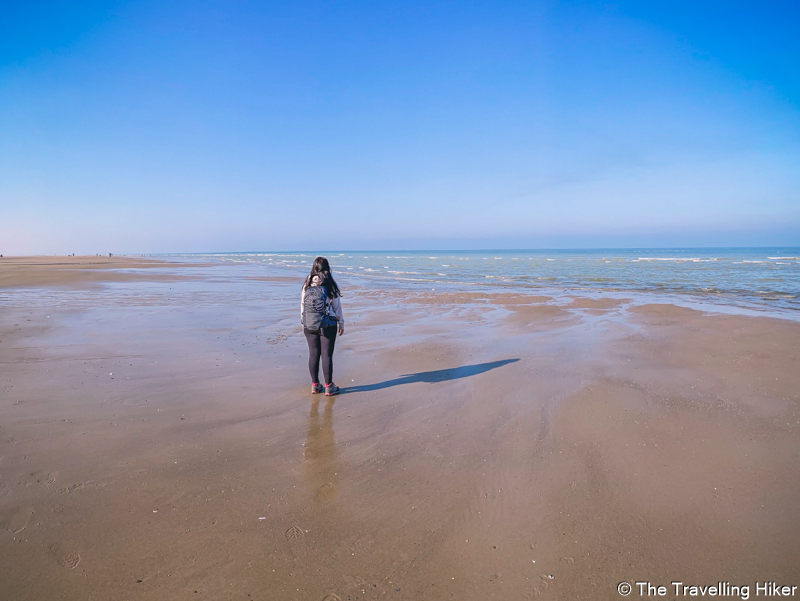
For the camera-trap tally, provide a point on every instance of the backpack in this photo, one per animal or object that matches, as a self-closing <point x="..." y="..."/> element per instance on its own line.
<point x="315" y="305"/>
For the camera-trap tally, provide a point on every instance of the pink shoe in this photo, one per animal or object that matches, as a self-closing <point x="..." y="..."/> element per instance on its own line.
<point x="317" y="388"/>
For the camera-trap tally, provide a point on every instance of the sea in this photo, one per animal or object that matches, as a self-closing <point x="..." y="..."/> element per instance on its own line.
<point x="761" y="279"/>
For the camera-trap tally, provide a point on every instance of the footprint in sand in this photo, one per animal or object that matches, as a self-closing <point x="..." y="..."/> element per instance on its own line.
<point x="294" y="533"/>
<point x="44" y="479"/>
<point x="297" y="542"/>
<point x="68" y="558"/>
<point x="326" y="492"/>
<point x="331" y="597"/>
<point x="539" y="589"/>
<point x="68" y="489"/>
<point x="20" y="520"/>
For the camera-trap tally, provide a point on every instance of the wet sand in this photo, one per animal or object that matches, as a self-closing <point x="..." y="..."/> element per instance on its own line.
<point x="22" y="272"/>
<point x="158" y="440"/>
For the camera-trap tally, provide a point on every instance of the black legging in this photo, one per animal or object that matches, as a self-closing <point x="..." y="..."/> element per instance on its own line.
<point x="321" y="346"/>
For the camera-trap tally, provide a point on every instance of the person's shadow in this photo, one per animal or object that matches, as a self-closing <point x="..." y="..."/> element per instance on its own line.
<point x="439" y="375"/>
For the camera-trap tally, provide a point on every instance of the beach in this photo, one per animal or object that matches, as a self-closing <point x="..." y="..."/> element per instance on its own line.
<point x="158" y="440"/>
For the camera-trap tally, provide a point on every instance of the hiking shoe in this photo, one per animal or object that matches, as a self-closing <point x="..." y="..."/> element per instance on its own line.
<point x="316" y="388"/>
<point x="331" y="389"/>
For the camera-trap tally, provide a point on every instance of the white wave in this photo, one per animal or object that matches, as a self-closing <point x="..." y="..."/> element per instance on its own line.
<point x="677" y="259"/>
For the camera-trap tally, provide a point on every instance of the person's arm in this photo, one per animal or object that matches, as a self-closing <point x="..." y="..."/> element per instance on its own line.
<point x="302" y="298"/>
<point x="336" y="305"/>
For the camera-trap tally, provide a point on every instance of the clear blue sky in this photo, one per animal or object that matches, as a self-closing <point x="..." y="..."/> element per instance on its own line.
<point x="152" y="126"/>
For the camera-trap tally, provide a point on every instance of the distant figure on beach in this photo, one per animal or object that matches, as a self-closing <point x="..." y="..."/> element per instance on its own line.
<point x="321" y="316"/>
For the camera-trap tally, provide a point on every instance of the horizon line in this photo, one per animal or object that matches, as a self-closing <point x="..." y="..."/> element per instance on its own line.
<point x="357" y="250"/>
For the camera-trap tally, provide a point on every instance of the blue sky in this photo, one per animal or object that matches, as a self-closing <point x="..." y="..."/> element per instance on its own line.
<point x="143" y="127"/>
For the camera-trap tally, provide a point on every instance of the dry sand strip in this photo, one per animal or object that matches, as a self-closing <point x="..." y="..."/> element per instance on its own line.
<point x="79" y="271"/>
<point x="500" y="446"/>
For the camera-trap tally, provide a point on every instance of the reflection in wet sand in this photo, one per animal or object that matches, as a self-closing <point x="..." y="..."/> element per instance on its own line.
<point x="320" y="453"/>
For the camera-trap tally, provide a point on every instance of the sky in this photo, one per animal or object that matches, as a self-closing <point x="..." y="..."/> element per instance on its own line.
<point x="168" y="127"/>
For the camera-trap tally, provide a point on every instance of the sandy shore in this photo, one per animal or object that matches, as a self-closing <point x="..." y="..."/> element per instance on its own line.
<point x="158" y="441"/>
<point x="22" y="272"/>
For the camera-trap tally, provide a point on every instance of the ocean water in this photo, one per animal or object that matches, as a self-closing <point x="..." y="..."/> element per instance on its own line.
<point x="765" y="278"/>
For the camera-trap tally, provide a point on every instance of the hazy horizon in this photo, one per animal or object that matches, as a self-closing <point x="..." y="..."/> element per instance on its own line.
<point x="495" y="249"/>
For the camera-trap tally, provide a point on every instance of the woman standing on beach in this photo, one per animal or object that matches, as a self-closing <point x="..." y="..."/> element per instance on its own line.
<point x="321" y="316"/>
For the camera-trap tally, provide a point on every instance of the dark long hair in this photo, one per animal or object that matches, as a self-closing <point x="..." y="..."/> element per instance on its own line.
<point x="322" y="268"/>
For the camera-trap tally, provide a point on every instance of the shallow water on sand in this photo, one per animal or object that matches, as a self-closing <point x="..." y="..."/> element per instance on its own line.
<point x="767" y="278"/>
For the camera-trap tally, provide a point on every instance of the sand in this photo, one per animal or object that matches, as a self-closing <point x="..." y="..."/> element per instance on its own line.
<point x="158" y="440"/>
<point x="24" y="272"/>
